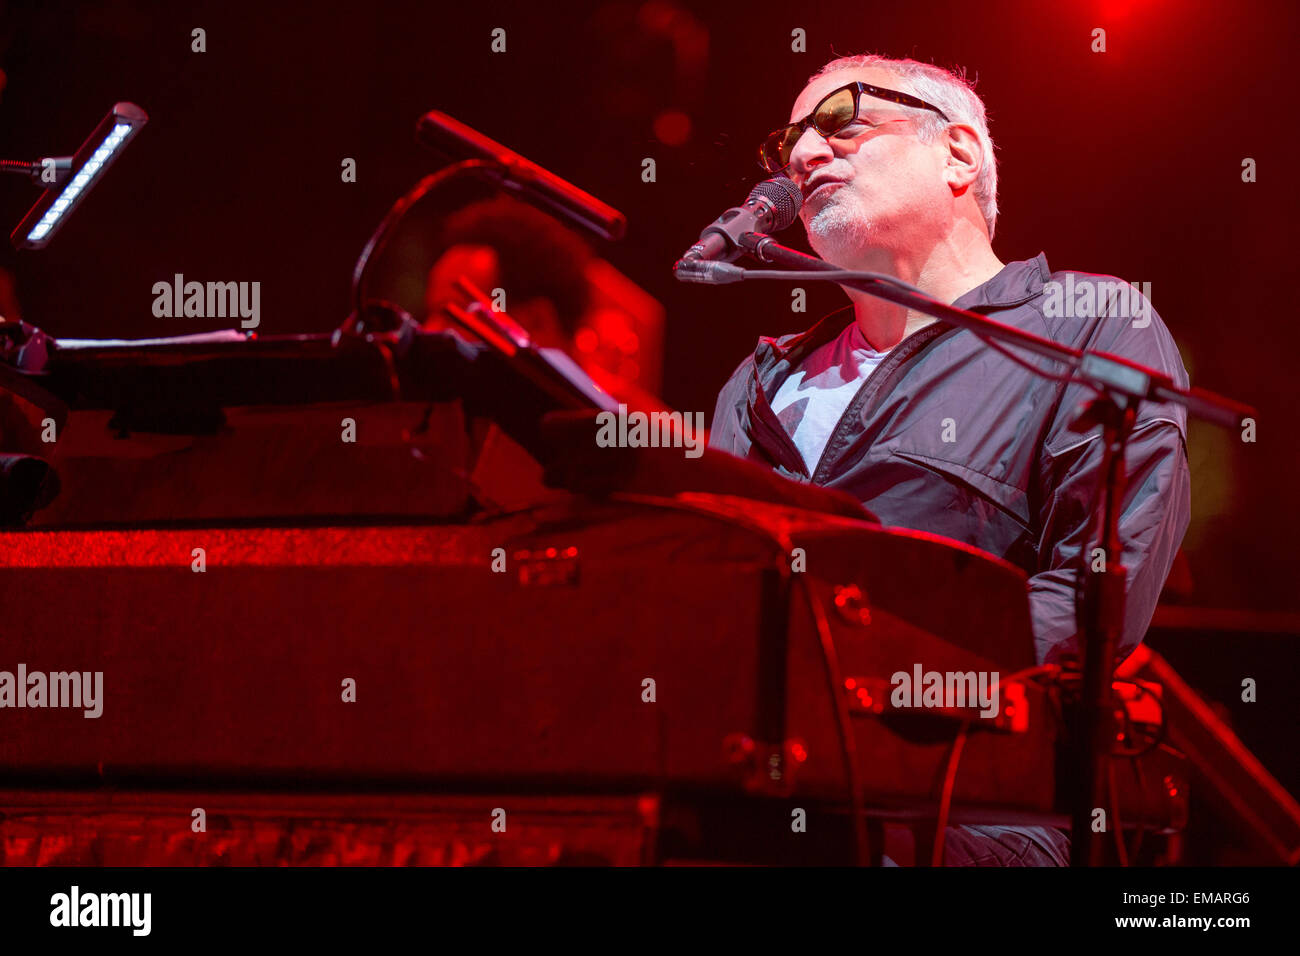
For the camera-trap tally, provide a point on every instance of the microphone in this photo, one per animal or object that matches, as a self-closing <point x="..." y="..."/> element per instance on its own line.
<point x="772" y="206"/>
<point x="439" y="132"/>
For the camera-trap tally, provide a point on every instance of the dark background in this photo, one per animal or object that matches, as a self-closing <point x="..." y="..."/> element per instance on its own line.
<point x="1125" y="162"/>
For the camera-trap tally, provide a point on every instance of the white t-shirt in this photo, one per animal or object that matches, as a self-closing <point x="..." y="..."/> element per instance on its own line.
<point x="810" y="403"/>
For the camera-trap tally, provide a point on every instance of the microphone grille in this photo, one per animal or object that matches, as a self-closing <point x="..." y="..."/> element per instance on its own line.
<point x="785" y="197"/>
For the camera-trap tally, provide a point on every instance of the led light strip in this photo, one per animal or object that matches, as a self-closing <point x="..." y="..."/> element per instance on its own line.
<point x="88" y="165"/>
<point x="79" y="183"/>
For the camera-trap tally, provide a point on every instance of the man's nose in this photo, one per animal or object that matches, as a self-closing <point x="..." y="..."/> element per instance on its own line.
<point x="812" y="150"/>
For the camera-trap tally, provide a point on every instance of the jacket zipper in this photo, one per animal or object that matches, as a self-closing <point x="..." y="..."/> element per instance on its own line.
<point x="879" y="377"/>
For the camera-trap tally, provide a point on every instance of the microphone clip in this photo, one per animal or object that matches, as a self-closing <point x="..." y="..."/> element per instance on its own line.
<point x="707" y="271"/>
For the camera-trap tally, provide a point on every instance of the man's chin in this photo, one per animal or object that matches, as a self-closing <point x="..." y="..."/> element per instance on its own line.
<point x="836" y="235"/>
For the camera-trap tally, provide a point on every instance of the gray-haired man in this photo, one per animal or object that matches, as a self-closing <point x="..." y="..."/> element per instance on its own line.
<point x="925" y="425"/>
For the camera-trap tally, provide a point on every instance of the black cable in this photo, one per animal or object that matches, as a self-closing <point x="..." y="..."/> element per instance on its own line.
<point x="1141" y="828"/>
<point x="1137" y="841"/>
<point x="1157" y="739"/>
<point x="954" y="758"/>
<point x="1116" y="827"/>
<point x="1066" y="379"/>
<point x="945" y="795"/>
<point x="794" y="275"/>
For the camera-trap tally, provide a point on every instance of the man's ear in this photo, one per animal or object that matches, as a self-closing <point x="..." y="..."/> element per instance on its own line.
<point x="965" y="157"/>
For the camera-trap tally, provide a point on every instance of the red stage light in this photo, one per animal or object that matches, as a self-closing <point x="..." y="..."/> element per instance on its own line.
<point x="672" y="127"/>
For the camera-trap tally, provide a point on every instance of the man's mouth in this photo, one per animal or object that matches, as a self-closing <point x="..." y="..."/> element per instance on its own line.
<point x="821" y="189"/>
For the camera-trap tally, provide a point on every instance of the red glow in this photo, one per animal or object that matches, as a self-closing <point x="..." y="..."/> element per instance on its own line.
<point x="1115" y="9"/>
<point x="672" y="127"/>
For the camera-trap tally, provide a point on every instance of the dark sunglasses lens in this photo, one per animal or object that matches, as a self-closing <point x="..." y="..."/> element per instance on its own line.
<point x="835" y="112"/>
<point x="832" y="114"/>
<point x="777" y="148"/>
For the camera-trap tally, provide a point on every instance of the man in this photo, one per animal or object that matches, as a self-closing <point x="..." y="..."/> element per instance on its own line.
<point x="562" y="296"/>
<point x="927" y="426"/>
<point x="505" y="243"/>
<point x="565" y="297"/>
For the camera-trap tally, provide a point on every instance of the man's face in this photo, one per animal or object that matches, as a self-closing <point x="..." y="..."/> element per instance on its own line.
<point x="874" y="185"/>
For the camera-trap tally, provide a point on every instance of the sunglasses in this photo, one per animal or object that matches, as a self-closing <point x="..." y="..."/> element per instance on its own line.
<point x="836" y="111"/>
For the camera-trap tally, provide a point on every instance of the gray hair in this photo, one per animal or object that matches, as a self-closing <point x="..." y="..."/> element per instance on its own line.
<point x="953" y="94"/>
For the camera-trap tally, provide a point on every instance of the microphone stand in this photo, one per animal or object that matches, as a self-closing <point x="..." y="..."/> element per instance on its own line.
<point x="1120" y="385"/>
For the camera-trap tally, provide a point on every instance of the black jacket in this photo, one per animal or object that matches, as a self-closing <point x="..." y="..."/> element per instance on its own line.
<point x="950" y="437"/>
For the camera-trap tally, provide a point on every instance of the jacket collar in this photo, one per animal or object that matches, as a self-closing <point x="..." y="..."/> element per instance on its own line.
<point x="1016" y="283"/>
